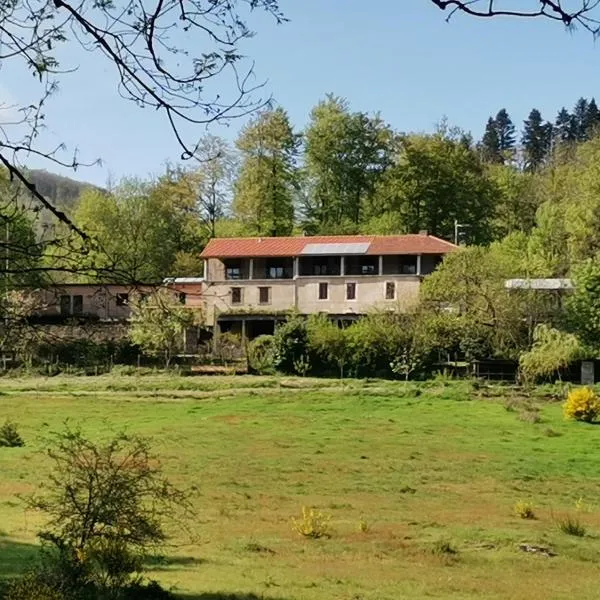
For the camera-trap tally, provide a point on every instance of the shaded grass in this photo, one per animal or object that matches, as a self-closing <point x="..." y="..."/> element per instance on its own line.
<point x="419" y="462"/>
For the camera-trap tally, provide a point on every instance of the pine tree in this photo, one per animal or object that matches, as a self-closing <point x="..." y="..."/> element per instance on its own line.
<point x="490" y="144"/>
<point x="564" y="127"/>
<point x="536" y="140"/>
<point x="266" y="186"/>
<point x="590" y="122"/>
<point x="580" y="119"/>
<point x="506" y="132"/>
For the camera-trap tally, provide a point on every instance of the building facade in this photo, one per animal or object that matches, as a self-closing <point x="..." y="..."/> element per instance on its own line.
<point x="251" y="283"/>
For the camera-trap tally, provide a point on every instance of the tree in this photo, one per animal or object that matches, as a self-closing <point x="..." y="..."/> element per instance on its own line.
<point x="580" y="119"/>
<point x="590" y="121"/>
<point x="536" y="141"/>
<point x="582" y="12"/>
<point x="435" y="181"/>
<point x="506" y="132"/>
<point x="141" y="229"/>
<point x="107" y="506"/>
<point x="490" y="143"/>
<point x="345" y="154"/>
<point x="583" y="304"/>
<point x="564" y="130"/>
<point x="266" y="185"/>
<point x="181" y="59"/>
<point x="159" y="322"/>
<point x="214" y="176"/>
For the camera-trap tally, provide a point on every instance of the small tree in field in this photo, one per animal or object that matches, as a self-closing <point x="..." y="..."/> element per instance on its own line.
<point x="107" y="505"/>
<point x="158" y="323"/>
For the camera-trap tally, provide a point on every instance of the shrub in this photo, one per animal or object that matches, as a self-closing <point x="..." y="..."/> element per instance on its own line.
<point x="443" y="547"/>
<point x="313" y="524"/>
<point x="32" y="586"/>
<point x="260" y="355"/>
<point x="582" y="405"/>
<point x="524" y="510"/>
<point x="290" y="345"/>
<point x="552" y="351"/>
<point x="9" y="436"/>
<point x="571" y="525"/>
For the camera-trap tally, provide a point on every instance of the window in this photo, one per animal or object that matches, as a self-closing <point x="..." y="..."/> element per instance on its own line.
<point x="236" y="295"/>
<point x="390" y="290"/>
<point x="77" y="305"/>
<point x="122" y="299"/>
<point x="351" y="291"/>
<point x="323" y="291"/>
<point x="233" y="272"/>
<point x="362" y="265"/>
<point x="264" y="295"/>
<point x="65" y="305"/>
<point x="368" y="269"/>
<point x="276" y="273"/>
<point x="181" y="297"/>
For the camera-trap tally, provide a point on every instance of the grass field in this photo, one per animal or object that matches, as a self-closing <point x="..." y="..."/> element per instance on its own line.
<point x="425" y="468"/>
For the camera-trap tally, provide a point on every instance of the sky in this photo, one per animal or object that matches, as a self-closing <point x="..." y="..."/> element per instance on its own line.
<point x="396" y="57"/>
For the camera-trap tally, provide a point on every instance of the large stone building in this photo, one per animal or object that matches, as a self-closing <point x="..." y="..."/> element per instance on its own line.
<point x="250" y="283"/>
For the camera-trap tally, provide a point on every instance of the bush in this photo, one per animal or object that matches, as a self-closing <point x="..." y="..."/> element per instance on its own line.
<point x="32" y="586"/>
<point x="313" y="524"/>
<point x="260" y="355"/>
<point x="9" y="436"/>
<point x="290" y="345"/>
<point x="582" y="405"/>
<point x="524" y="510"/>
<point x="571" y="525"/>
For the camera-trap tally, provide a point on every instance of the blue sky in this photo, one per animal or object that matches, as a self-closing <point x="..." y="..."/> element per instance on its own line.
<point x="398" y="57"/>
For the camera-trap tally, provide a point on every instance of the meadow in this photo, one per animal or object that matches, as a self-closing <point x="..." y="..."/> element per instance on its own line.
<point x="420" y="482"/>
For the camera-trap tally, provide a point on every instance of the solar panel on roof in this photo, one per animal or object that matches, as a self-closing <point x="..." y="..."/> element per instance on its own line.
<point x="347" y="248"/>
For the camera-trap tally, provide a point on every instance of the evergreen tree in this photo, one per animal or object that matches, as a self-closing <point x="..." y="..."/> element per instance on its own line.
<point x="490" y="144"/>
<point x="506" y="132"/>
<point x="267" y="183"/>
<point x="590" y="122"/>
<point x="564" y="127"/>
<point x="536" y="140"/>
<point x="580" y="119"/>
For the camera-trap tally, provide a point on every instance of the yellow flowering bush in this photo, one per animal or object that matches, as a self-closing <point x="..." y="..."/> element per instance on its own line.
<point x="582" y="405"/>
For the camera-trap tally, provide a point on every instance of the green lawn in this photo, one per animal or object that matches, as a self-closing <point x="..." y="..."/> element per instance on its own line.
<point x="419" y="464"/>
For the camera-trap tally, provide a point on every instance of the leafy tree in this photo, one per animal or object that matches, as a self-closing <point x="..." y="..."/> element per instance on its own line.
<point x="345" y="155"/>
<point x="536" y="140"/>
<point x="158" y="324"/>
<point x="141" y="229"/>
<point x="107" y="506"/>
<point x="266" y="186"/>
<point x="590" y="120"/>
<point x="214" y="178"/>
<point x="290" y="345"/>
<point x="435" y="180"/>
<point x="552" y="351"/>
<point x="181" y="59"/>
<point x="583" y="304"/>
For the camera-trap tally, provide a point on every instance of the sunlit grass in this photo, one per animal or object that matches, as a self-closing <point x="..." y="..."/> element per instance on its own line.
<point x="419" y="463"/>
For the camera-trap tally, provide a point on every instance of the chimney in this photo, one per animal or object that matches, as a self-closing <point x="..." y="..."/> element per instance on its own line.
<point x="423" y="232"/>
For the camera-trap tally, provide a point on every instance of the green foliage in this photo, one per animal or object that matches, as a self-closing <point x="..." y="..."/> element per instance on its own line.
<point x="582" y="404"/>
<point x="290" y="345"/>
<point x="435" y="180"/>
<point x="268" y="176"/>
<point x="260" y="355"/>
<point x="158" y="323"/>
<point x="345" y="154"/>
<point x="141" y="229"/>
<point x="552" y="351"/>
<point x="10" y="436"/>
<point x="583" y="304"/>
<point x="106" y="505"/>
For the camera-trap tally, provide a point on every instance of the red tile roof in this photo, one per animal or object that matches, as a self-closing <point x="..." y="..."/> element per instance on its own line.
<point x="293" y="246"/>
